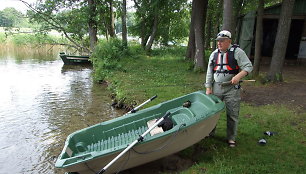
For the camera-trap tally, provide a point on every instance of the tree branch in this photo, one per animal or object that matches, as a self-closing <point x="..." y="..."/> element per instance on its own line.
<point x="54" y="24"/>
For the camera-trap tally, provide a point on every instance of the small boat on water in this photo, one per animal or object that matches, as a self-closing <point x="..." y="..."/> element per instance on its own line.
<point x="192" y="117"/>
<point x="72" y="60"/>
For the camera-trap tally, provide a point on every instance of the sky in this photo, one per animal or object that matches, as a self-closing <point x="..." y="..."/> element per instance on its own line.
<point x="18" y="5"/>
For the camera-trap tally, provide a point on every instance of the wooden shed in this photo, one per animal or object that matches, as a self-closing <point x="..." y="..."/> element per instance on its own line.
<point x="296" y="48"/>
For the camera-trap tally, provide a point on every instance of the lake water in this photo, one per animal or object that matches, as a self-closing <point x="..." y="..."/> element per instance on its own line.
<point x="41" y="103"/>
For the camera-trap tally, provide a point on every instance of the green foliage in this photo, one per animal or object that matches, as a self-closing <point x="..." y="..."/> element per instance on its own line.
<point x="106" y="58"/>
<point x="135" y="50"/>
<point x="177" y="51"/>
<point x="74" y="22"/>
<point x="173" y="20"/>
<point x="207" y="55"/>
<point x="68" y="17"/>
<point x="165" y="74"/>
<point x="10" y="17"/>
<point x="130" y="21"/>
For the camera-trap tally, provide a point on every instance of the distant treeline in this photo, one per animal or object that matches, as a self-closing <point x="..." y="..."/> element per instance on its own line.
<point x="10" y="17"/>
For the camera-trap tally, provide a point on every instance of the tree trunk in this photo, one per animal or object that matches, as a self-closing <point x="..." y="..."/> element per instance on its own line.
<point x="227" y="15"/>
<point x="281" y="40"/>
<point x="112" y="20"/>
<point x="154" y="29"/>
<point x="92" y="24"/>
<point x="124" y="30"/>
<point x="166" y="37"/>
<point x="191" y="42"/>
<point x="217" y="23"/>
<point x="199" y="25"/>
<point x="258" y="38"/>
<point x="208" y="33"/>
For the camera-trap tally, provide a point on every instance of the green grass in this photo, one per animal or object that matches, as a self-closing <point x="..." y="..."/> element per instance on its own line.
<point x="168" y="75"/>
<point x="143" y="77"/>
<point x="283" y="153"/>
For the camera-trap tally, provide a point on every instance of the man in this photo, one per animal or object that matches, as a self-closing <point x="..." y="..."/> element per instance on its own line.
<point x="229" y="64"/>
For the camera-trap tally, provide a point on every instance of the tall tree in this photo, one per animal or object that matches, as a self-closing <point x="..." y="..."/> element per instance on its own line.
<point x="258" y="36"/>
<point x="191" y="41"/>
<point x="228" y="15"/>
<point x="112" y="19"/>
<point x="217" y="21"/>
<point x="196" y="36"/>
<point x="92" y="24"/>
<point x="123" y="18"/>
<point x="154" y="28"/>
<point x="281" y="40"/>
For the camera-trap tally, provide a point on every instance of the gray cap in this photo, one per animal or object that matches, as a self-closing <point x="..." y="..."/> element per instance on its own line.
<point x="224" y="34"/>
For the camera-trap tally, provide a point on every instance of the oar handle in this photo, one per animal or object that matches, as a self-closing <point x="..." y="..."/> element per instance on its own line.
<point x="152" y="98"/>
<point x="136" y="108"/>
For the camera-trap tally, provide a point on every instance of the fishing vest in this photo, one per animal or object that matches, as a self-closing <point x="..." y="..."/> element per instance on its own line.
<point x="226" y="63"/>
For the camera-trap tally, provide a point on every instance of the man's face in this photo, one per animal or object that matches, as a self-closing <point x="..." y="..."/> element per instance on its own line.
<point x="223" y="44"/>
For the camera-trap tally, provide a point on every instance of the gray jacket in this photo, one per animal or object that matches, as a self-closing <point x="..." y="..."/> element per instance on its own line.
<point x="243" y="62"/>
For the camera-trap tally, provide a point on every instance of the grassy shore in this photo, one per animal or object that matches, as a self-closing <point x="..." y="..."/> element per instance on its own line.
<point x="165" y="73"/>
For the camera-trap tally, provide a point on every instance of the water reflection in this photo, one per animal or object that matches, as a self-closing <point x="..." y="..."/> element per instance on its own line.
<point x="42" y="102"/>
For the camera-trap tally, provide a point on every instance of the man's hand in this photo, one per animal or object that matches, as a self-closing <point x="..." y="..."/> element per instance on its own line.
<point x="235" y="80"/>
<point x="208" y="91"/>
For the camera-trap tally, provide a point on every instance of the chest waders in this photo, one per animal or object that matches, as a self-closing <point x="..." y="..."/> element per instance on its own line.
<point x="230" y="94"/>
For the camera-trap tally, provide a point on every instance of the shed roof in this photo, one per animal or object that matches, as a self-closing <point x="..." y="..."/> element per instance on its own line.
<point x="299" y="8"/>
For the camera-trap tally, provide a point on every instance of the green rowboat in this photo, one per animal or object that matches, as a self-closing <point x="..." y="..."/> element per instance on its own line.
<point x="73" y="60"/>
<point x="88" y="150"/>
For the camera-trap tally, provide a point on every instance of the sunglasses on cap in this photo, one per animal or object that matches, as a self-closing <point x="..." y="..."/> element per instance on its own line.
<point x="222" y="35"/>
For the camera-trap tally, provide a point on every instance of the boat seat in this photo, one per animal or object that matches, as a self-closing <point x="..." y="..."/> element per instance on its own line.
<point x="181" y="116"/>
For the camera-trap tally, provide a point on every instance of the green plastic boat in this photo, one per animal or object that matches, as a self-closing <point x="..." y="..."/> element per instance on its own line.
<point x="72" y="60"/>
<point x="192" y="116"/>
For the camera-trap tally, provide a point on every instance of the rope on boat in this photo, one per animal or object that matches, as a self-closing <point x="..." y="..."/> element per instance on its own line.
<point x="92" y="170"/>
<point x="124" y="164"/>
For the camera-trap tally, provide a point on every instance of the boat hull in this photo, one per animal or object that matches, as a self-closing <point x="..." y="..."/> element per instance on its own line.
<point x="73" y="60"/>
<point x="191" y="125"/>
<point x="185" y="138"/>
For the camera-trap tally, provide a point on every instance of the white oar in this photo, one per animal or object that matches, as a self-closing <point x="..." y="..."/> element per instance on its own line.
<point x="141" y="137"/>
<point x="136" y="108"/>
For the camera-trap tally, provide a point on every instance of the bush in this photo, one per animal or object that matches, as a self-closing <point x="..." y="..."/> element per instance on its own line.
<point x="178" y="51"/>
<point x="106" y="58"/>
<point x="135" y="50"/>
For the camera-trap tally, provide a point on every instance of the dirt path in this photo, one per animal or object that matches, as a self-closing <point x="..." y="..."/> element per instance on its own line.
<point x="292" y="92"/>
